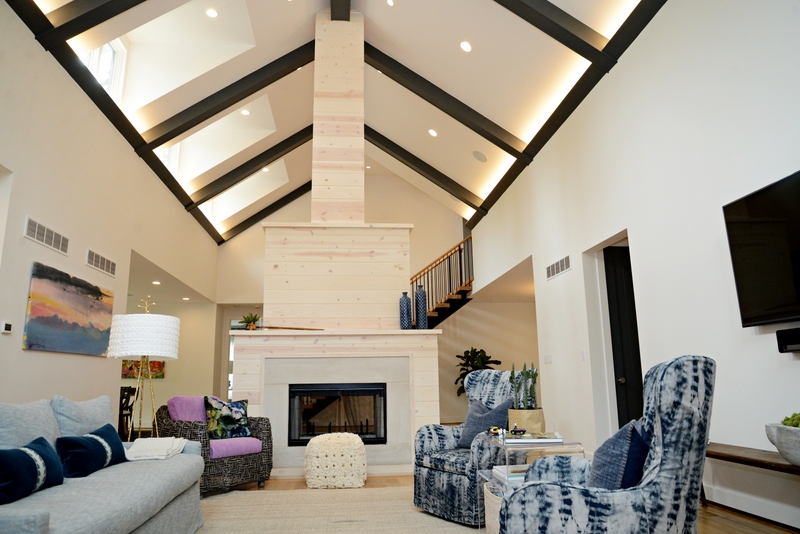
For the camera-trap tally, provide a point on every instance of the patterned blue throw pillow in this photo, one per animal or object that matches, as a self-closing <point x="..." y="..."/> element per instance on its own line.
<point x="480" y="419"/>
<point x="619" y="462"/>
<point x="83" y="455"/>
<point x="226" y="419"/>
<point x="30" y="468"/>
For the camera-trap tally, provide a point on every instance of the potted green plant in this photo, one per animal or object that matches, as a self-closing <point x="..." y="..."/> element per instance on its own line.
<point x="525" y="411"/>
<point x="250" y="321"/>
<point x="472" y="360"/>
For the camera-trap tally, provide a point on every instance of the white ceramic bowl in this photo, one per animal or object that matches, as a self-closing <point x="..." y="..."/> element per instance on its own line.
<point x="787" y="440"/>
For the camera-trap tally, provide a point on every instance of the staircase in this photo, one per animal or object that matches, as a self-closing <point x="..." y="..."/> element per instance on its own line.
<point x="447" y="282"/>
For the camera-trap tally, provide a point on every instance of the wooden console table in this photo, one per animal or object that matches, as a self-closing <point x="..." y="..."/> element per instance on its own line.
<point x="769" y="460"/>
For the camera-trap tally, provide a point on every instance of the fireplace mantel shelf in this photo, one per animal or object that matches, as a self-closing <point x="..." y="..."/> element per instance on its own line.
<point x="325" y="333"/>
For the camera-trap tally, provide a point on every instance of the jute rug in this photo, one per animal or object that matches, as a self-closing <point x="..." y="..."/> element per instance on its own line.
<point x="362" y="510"/>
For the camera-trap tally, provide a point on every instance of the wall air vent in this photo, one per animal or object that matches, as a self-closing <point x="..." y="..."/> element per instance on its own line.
<point x="558" y="267"/>
<point x="46" y="236"/>
<point x="93" y="259"/>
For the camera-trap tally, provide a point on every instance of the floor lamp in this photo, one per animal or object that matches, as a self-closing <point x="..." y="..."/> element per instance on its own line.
<point x="146" y="336"/>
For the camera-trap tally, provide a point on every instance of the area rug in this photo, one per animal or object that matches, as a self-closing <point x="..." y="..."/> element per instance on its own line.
<point x="363" y="510"/>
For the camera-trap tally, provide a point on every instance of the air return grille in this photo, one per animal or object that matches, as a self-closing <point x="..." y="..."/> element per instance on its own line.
<point x="558" y="267"/>
<point x="46" y="236"/>
<point x="93" y="259"/>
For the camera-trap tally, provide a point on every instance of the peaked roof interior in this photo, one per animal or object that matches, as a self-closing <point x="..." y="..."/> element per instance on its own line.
<point x="216" y="95"/>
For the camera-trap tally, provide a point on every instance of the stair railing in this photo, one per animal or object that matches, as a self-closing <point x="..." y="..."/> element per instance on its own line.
<point x="445" y="276"/>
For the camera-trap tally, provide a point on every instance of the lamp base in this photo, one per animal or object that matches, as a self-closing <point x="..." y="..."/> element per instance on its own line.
<point x="144" y="367"/>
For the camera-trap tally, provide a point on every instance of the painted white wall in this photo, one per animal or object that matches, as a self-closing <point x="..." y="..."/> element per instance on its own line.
<point x="74" y="172"/>
<point x="701" y="110"/>
<point x="5" y="198"/>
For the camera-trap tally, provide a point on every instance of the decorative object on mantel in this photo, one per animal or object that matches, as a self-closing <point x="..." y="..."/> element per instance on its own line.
<point x="421" y="308"/>
<point x="786" y="438"/>
<point x="405" y="312"/>
<point x="526" y="412"/>
<point x="472" y="360"/>
<point x="250" y="321"/>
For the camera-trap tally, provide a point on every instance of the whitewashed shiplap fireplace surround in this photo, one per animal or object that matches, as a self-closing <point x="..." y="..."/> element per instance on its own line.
<point x="333" y="284"/>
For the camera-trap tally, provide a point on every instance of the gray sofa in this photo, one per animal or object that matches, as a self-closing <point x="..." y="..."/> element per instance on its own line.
<point x="151" y="496"/>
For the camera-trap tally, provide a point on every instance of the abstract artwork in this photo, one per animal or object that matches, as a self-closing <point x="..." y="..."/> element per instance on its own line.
<point x="130" y="369"/>
<point x="66" y="314"/>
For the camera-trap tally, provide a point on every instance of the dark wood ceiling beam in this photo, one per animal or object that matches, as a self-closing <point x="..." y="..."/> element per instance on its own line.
<point x="444" y="101"/>
<point x="413" y="162"/>
<point x="250" y="167"/>
<point x="269" y="210"/>
<point x="564" y="28"/>
<point x="636" y="22"/>
<point x="78" y="16"/>
<point x="227" y="97"/>
<point x="340" y="10"/>
<point x="27" y="10"/>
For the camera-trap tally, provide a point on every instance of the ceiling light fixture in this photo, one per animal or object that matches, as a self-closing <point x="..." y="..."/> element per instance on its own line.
<point x="390" y="2"/>
<point x="212" y="13"/>
<point x="466" y="47"/>
<point x="480" y="156"/>
<point x="156" y="283"/>
<point x="433" y="133"/>
<point x="265" y="169"/>
<point x="245" y="112"/>
<point x="369" y="166"/>
<point x="186" y="298"/>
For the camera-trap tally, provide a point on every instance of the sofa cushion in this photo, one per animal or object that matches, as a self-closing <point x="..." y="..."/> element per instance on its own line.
<point x="34" y="467"/>
<point x="449" y="460"/>
<point x="480" y="419"/>
<point x="79" y="418"/>
<point x="83" y="455"/>
<point x="224" y="448"/>
<point x="226" y="419"/>
<point x="618" y="463"/>
<point x="23" y="423"/>
<point x="187" y="408"/>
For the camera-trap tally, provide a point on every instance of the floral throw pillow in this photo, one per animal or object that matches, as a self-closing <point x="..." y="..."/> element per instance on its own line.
<point x="226" y="419"/>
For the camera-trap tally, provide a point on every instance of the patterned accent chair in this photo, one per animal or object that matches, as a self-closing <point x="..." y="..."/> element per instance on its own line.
<point x="677" y="412"/>
<point x="445" y="476"/>
<point x="229" y="462"/>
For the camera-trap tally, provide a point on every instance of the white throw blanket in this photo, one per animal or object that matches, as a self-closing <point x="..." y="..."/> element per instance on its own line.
<point x="155" y="448"/>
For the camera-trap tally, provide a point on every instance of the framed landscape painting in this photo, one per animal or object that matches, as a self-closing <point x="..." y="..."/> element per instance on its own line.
<point x="130" y="369"/>
<point x="66" y="314"/>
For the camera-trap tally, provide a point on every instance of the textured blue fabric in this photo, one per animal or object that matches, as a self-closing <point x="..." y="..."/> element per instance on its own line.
<point x="677" y="412"/>
<point x="83" y="455"/>
<point x="32" y="468"/>
<point x="480" y="419"/>
<point x="23" y="423"/>
<point x="618" y="463"/>
<point x="637" y="455"/>
<point x="76" y="418"/>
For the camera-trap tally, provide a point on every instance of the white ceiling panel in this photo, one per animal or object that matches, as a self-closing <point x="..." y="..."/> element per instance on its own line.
<point x="603" y="16"/>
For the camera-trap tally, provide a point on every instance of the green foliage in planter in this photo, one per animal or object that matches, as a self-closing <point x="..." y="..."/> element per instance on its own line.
<point x="524" y="384"/>
<point x="792" y="420"/>
<point x="472" y="360"/>
<point x="250" y="318"/>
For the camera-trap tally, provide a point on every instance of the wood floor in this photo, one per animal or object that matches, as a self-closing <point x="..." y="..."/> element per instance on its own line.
<point x="713" y="519"/>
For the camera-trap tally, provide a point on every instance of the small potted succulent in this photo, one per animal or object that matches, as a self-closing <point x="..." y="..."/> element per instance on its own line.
<point x="525" y="411"/>
<point x="786" y="437"/>
<point x="250" y="321"/>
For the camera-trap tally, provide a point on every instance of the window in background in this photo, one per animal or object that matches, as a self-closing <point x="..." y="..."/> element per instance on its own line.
<point x="107" y="64"/>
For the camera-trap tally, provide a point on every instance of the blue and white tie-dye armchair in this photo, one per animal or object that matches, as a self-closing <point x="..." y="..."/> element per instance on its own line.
<point x="445" y="476"/>
<point x="677" y="411"/>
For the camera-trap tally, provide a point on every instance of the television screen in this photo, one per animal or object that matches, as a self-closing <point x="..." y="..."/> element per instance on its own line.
<point x="764" y="239"/>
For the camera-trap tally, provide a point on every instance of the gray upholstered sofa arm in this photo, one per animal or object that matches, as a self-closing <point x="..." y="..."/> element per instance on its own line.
<point x="25" y="521"/>
<point x="432" y="438"/>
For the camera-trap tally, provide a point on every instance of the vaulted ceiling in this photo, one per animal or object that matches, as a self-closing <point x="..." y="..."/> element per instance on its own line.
<point x="216" y="95"/>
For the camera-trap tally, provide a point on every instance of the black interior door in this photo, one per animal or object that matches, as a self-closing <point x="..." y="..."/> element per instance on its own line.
<point x="624" y="334"/>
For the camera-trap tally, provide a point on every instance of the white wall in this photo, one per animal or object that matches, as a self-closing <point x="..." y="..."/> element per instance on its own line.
<point x="700" y="111"/>
<point x="73" y="172"/>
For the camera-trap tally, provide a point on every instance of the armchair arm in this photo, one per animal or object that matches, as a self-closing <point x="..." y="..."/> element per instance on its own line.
<point x="567" y="469"/>
<point x="431" y="438"/>
<point x="261" y="428"/>
<point x="191" y="430"/>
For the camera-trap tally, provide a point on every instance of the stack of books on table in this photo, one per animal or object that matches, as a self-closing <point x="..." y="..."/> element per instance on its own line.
<point x="510" y="475"/>
<point x="537" y="438"/>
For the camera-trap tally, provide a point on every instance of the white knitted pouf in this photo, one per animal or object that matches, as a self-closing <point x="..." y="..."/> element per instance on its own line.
<point x="337" y="460"/>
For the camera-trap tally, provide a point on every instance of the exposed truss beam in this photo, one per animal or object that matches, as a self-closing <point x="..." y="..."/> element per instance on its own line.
<point x="224" y="98"/>
<point x="269" y="210"/>
<point x="246" y="169"/>
<point x="444" y="101"/>
<point x="340" y="10"/>
<point x="641" y="16"/>
<point x="413" y="162"/>
<point x="564" y="28"/>
<point x="77" y="16"/>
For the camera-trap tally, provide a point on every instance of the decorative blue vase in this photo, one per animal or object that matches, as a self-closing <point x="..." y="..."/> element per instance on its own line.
<point x="421" y="308"/>
<point x="405" y="311"/>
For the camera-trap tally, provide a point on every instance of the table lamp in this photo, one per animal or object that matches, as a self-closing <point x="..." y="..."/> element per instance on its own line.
<point x="148" y="336"/>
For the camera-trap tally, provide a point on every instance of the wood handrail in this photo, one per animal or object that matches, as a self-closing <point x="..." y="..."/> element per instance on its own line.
<point x="440" y="259"/>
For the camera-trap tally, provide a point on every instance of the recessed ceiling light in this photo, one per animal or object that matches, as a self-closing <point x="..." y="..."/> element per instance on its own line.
<point x="433" y="133"/>
<point x="265" y="169"/>
<point x="245" y="112"/>
<point x="156" y="283"/>
<point x="466" y="47"/>
<point x="390" y="2"/>
<point x="212" y="13"/>
<point x="369" y="166"/>
<point x="480" y="156"/>
<point x="185" y="298"/>
<point x="298" y="68"/>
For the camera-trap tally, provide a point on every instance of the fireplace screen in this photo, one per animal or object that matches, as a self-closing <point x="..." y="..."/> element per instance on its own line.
<point x="316" y="409"/>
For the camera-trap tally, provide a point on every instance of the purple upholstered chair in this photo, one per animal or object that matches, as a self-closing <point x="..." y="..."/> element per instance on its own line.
<point x="229" y="462"/>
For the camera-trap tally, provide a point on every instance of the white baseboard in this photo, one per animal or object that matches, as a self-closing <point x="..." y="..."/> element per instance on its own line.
<point x="375" y="471"/>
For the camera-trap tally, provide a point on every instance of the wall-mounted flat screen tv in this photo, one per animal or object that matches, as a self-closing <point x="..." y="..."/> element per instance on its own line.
<point x="764" y="238"/>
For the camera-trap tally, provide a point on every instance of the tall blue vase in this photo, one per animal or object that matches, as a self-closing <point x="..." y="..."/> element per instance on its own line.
<point x="405" y="311"/>
<point x="421" y="308"/>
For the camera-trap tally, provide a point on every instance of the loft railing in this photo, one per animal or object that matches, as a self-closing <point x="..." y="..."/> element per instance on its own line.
<point x="444" y="277"/>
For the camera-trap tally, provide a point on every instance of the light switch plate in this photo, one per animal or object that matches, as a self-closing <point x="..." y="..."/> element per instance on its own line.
<point x="5" y="327"/>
